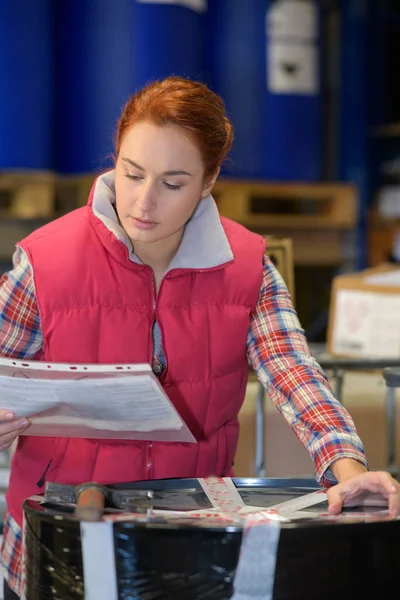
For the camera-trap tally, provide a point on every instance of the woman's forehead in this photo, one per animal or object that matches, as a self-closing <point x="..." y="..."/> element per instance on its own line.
<point x="165" y="148"/>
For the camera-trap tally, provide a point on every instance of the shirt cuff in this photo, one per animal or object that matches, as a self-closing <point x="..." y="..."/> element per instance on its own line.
<point x="332" y="447"/>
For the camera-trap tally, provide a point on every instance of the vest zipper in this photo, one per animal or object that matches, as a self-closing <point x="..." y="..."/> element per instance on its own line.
<point x="149" y="445"/>
<point x="154" y="319"/>
<point x="149" y="461"/>
<point x="182" y="271"/>
<point x="162" y="337"/>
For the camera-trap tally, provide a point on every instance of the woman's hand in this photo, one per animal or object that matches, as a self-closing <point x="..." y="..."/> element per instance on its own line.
<point x="358" y="487"/>
<point x="10" y="428"/>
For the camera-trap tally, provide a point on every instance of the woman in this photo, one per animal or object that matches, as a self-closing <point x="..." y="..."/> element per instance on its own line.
<point x="148" y="272"/>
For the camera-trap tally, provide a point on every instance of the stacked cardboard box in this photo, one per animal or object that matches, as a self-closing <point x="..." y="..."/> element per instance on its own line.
<point x="365" y="314"/>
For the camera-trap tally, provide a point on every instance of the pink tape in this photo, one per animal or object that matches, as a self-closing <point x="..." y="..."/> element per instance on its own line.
<point x="222" y="493"/>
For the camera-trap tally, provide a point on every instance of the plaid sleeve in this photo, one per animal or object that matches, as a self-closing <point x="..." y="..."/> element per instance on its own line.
<point x="279" y="354"/>
<point x="20" y="331"/>
<point x="11" y="554"/>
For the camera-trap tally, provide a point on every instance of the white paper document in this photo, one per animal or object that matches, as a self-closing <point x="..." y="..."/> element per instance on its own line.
<point x="389" y="202"/>
<point x="91" y="401"/>
<point x="292" y="69"/>
<point x="292" y="20"/>
<point x="389" y="278"/>
<point x="367" y="324"/>
<point x="196" y="5"/>
<point x="291" y="49"/>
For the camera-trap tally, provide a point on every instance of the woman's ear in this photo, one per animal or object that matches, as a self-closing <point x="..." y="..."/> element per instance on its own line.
<point x="209" y="183"/>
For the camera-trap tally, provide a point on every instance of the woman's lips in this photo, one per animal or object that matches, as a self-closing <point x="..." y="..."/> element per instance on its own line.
<point x="144" y="224"/>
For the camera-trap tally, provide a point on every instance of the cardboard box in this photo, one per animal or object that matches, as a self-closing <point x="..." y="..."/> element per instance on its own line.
<point x="364" y="319"/>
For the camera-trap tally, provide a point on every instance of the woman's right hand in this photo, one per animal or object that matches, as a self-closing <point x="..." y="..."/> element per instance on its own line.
<point x="10" y="428"/>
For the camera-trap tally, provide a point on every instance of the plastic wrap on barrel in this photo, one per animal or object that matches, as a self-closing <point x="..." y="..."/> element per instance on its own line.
<point x="162" y="559"/>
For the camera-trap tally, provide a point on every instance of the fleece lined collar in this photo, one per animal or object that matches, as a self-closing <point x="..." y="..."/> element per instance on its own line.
<point x="204" y="244"/>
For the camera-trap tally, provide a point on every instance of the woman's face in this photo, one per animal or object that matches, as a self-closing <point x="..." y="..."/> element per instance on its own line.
<point x="159" y="180"/>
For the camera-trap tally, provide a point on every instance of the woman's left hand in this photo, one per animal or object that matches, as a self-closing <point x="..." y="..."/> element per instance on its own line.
<point x="366" y="489"/>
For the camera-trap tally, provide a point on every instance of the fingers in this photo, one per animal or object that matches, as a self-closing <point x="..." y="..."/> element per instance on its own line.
<point x="6" y="446"/>
<point x="378" y="483"/>
<point x="389" y="488"/>
<point x="10" y="428"/>
<point x="6" y="415"/>
<point x="17" y="425"/>
<point x="368" y="489"/>
<point x="387" y="482"/>
<point x="335" y="500"/>
<point x="7" y="440"/>
<point x="393" y="489"/>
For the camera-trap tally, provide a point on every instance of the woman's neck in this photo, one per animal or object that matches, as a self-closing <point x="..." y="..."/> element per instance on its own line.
<point x="158" y="255"/>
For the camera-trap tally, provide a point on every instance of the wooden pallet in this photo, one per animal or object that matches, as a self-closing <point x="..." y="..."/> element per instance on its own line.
<point x="73" y="190"/>
<point x="320" y="247"/>
<point x="12" y="231"/>
<point x="27" y="194"/>
<point x="314" y="216"/>
<point x="288" y="205"/>
<point x="318" y="239"/>
<point x="254" y="204"/>
<point x="280" y="251"/>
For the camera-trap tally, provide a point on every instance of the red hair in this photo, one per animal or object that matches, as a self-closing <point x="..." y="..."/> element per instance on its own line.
<point x="187" y="104"/>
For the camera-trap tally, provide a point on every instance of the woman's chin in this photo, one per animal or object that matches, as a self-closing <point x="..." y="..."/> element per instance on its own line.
<point x="140" y="235"/>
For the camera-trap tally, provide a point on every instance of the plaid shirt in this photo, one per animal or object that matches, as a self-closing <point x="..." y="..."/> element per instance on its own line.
<point x="277" y="351"/>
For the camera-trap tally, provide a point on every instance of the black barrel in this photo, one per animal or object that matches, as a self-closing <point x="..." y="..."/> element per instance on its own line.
<point x="195" y="559"/>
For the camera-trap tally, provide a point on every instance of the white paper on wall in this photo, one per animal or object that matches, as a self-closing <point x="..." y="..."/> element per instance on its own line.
<point x="293" y="19"/>
<point x="292" y="69"/>
<point x="389" y="278"/>
<point x="389" y="202"/>
<point x="367" y="324"/>
<point x="196" y="5"/>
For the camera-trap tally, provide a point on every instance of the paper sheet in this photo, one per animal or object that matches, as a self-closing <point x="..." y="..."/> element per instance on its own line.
<point x="389" y="202"/>
<point x="292" y="20"/>
<point x="91" y="401"/>
<point x="291" y="49"/>
<point x="367" y="324"/>
<point x="390" y="278"/>
<point x="196" y="5"/>
<point x="292" y="69"/>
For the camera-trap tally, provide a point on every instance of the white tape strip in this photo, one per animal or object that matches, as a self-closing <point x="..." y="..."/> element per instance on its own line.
<point x="227" y="503"/>
<point x="222" y="494"/>
<point x="99" y="571"/>
<point x="285" y="508"/>
<point x="290" y="506"/>
<point x="255" y="573"/>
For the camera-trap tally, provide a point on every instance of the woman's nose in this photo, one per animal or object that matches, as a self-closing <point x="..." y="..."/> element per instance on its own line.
<point x="145" y="198"/>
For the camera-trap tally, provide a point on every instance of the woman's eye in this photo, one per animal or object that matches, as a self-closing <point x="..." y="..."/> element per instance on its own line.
<point x="172" y="187"/>
<point x="134" y="177"/>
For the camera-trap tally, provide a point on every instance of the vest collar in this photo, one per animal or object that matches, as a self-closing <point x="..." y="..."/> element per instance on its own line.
<point x="204" y="244"/>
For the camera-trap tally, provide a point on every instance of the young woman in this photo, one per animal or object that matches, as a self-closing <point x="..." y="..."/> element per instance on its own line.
<point x="149" y="272"/>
